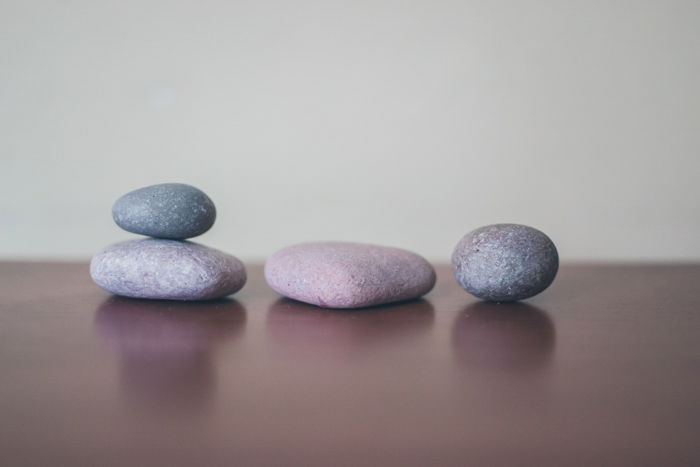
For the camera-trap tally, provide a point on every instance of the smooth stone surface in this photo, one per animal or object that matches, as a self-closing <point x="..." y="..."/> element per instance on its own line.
<point x="348" y="275"/>
<point x="505" y="262"/>
<point x="167" y="269"/>
<point x="168" y="210"/>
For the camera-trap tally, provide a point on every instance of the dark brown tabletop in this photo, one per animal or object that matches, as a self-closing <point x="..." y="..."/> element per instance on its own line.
<point x="601" y="369"/>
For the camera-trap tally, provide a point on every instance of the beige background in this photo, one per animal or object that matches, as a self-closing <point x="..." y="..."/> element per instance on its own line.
<point x="405" y="123"/>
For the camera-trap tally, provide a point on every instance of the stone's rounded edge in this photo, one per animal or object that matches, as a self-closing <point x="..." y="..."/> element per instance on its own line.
<point x="143" y="212"/>
<point x="97" y="269"/>
<point x="432" y="276"/>
<point x="113" y="270"/>
<point x="550" y="273"/>
<point x="269" y="273"/>
<point x="95" y="265"/>
<point x="211" y="208"/>
<point x="284" y="266"/>
<point x="238" y="278"/>
<point x="208" y="214"/>
<point x="275" y="276"/>
<point x="354" y="294"/>
<point x="549" y="259"/>
<point x="228" y="280"/>
<point x="519" y="286"/>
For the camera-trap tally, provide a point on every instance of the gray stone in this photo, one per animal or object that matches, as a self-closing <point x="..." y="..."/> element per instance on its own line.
<point x="505" y="262"/>
<point x="168" y="210"/>
<point x="348" y="275"/>
<point x="167" y="269"/>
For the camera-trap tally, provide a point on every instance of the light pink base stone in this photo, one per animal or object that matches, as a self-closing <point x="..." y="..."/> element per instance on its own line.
<point x="348" y="275"/>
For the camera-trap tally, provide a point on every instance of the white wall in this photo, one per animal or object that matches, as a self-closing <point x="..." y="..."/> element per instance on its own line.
<point x="404" y="123"/>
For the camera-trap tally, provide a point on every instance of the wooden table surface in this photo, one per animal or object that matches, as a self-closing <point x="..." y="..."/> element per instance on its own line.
<point x="601" y="369"/>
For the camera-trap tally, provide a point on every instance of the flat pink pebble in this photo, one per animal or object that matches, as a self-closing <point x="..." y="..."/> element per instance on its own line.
<point x="348" y="275"/>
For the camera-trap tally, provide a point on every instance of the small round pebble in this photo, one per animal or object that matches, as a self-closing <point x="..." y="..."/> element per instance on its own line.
<point x="168" y="210"/>
<point x="505" y="262"/>
<point x="167" y="269"/>
<point x="348" y="275"/>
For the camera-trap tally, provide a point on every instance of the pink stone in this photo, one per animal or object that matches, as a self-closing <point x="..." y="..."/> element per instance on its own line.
<point x="348" y="275"/>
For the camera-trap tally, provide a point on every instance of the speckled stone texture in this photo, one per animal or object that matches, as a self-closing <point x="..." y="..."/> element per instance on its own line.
<point x="168" y="210"/>
<point x="167" y="269"/>
<point x="505" y="262"/>
<point x="348" y="275"/>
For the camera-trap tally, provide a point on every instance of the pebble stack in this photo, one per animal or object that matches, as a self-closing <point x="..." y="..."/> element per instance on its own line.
<point x="166" y="266"/>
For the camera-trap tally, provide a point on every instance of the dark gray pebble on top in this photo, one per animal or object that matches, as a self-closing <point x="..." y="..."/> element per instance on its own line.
<point x="169" y="210"/>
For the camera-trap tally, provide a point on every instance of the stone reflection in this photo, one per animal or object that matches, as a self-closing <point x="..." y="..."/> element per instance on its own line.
<point x="512" y="337"/>
<point x="167" y="349"/>
<point x="299" y="327"/>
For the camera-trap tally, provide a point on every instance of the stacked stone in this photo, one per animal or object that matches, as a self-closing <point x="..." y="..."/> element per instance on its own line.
<point x="166" y="265"/>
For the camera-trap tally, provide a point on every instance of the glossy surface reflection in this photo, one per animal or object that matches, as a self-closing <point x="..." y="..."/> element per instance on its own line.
<point x="167" y="350"/>
<point x="511" y="337"/>
<point x="302" y="328"/>
<point x="599" y="369"/>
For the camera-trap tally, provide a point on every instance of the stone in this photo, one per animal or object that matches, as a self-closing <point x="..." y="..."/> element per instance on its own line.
<point x="167" y="269"/>
<point x="505" y="262"/>
<point x="168" y="210"/>
<point x="348" y="275"/>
